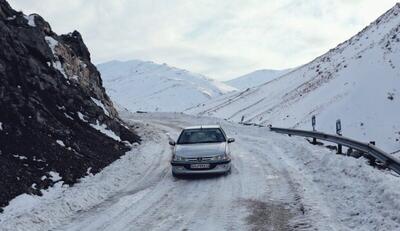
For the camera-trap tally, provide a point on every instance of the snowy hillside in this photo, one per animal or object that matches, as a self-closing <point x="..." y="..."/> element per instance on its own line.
<point x="358" y="82"/>
<point x="147" y="86"/>
<point x="256" y="78"/>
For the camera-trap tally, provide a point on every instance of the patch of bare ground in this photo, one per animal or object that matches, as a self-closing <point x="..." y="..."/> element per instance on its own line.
<point x="267" y="215"/>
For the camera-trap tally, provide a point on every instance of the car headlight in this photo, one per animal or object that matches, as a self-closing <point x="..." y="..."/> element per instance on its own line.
<point x="179" y="158"/>
<point x="221" y="157"/>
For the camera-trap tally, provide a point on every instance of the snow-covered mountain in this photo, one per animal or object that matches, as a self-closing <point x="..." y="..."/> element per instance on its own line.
<point x="357" y="82"/>
<point x="147" y="86"/>
<point x="256" y="78"/>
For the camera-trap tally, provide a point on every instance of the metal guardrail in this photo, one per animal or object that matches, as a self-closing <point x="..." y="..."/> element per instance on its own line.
<point x="387" y="160"/>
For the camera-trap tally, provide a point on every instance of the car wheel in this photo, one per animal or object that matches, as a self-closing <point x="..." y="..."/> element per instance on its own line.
<point x="228" y="172"/>
<point x="175" y="175"/>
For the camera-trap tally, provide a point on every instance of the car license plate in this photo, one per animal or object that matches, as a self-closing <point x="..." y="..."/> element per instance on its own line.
<point x="200" y="166"/>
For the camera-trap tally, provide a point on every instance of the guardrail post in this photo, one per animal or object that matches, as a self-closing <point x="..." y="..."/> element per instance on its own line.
<point x="349" y="152"/>
<point x="339" y="133"/>
<point x="313" y="122"/>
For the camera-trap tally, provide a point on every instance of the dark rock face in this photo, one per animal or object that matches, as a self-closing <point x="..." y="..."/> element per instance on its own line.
<point x="52" y="108"/>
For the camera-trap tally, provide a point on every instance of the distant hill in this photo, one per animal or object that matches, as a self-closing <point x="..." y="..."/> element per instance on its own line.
<point x="147" y="86"/>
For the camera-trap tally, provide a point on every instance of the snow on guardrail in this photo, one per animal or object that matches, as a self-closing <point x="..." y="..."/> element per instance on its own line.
<point x="374" y="152"/>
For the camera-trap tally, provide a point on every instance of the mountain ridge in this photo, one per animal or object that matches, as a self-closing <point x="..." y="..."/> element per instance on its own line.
<point x="147" y="86"/>
<point x="256" y="78"/>
<point x="341" y="84"/>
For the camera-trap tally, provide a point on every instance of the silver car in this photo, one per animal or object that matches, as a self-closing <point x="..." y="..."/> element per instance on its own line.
<point x="201" y="150"/>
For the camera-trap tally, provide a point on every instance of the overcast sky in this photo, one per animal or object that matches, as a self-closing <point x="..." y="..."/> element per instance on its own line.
<point x="220" y="39"/>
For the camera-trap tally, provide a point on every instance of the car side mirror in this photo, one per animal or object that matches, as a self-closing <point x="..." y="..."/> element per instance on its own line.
<point x="231" y="140"/>
<point x="172" y="143"/>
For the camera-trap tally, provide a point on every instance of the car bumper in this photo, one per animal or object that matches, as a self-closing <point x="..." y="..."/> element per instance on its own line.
<point x="182" y="168"/>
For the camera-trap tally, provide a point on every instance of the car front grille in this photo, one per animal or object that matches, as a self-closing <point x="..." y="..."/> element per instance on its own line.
<point x="199" y="159"/>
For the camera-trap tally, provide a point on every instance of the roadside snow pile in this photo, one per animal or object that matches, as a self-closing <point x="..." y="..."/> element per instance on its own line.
<point x="147" y="86"/>
<point x="346" y="192"/>
<point x="58" y="203"/>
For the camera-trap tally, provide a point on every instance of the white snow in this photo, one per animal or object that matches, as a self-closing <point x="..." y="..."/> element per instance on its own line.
<point x="81" y="116"/>
<point x="357" y="82"/>
<point x="55" y="176"/>
<point x="11" y="18"/>
<point x="147" y="86"/>
<point x="60" y="142"/>
<point x="291" y="181"/>
<point x="68" y="116"/>
<point x="100" y="104"/>
<point x="52" y="43"/>
<point x="56" y="64"/>
<point x="31" y="20"/>
<point x="20" y="157"/>
<point x="75" y="77"/>
<point x="334" y="191"/>
<point x="256" y="78"/>
<point x="103" y="129"/>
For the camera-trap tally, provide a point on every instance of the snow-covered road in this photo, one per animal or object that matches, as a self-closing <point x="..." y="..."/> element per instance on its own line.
<point x="277" y="183"/>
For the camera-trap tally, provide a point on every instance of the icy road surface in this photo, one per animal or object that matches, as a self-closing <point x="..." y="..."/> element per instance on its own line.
<point x="277" y="183"/>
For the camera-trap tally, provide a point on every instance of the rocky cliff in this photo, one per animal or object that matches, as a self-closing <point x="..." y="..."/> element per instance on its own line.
<point x="56" y="121"/>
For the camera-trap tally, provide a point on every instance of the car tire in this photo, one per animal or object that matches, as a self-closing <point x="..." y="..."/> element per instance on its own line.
<point x="228" y="172"/>
<point x="175" y="175"/>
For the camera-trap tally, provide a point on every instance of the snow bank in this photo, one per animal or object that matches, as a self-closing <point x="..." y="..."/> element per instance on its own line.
<point x="50" y="211"/>
<point x="347" y="192"/>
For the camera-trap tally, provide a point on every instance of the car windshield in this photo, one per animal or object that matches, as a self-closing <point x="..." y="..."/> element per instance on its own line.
<point x="203" y="135"/>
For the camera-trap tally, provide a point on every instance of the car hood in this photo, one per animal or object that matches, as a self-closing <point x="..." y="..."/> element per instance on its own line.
<point x="200" y="150"/>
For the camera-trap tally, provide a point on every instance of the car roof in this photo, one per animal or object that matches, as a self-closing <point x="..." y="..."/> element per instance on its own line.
<point x="202" y="126"/>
